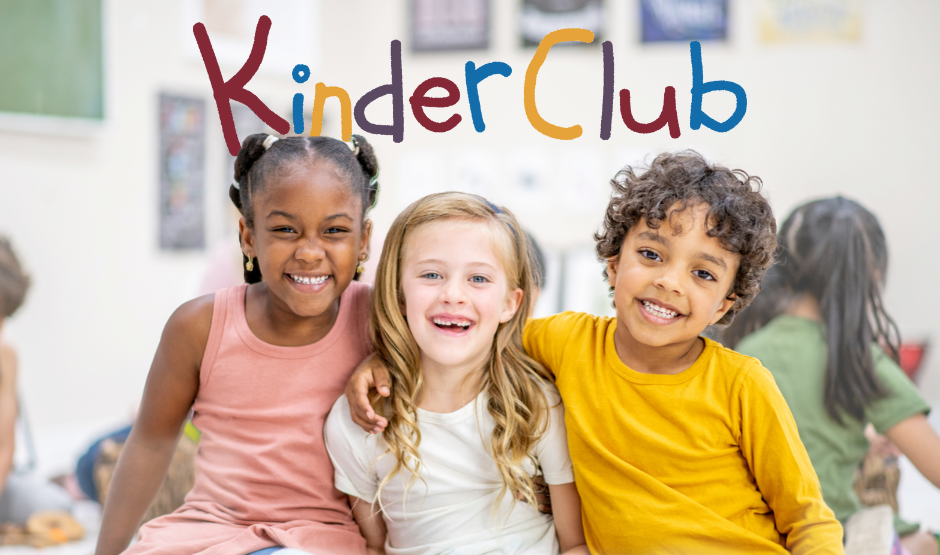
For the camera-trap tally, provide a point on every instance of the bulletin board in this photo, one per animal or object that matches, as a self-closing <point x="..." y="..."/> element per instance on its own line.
<point x="51" y="58"/>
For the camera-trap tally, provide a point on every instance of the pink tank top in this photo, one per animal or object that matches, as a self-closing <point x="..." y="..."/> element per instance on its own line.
<point x="263" y="475"/>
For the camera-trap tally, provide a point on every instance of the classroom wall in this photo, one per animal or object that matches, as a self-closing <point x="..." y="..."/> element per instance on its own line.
<point x="856" y="119"/>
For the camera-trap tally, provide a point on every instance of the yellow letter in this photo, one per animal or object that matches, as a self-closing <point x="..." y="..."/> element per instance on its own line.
<point x="540" y="125"/>
<point x="323" y="92"/>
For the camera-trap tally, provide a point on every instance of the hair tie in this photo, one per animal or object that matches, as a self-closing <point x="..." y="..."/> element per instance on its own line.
<point x="235" y="185"/>
<point x="269" y="141"/>
<point x="354" y="147"/>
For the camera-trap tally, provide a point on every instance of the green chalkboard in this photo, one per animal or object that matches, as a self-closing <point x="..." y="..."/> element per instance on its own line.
<point x="51" y="58"/>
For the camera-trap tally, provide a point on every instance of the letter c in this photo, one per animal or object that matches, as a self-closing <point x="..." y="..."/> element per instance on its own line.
<point x="531" y="74"/>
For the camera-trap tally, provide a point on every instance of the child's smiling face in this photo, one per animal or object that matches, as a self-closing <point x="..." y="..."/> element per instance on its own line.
<point x="308" y="235"/>
<point x="456" y="293"/>
<point x="670" y="283"/>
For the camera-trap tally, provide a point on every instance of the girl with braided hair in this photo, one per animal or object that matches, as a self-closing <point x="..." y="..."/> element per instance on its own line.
<point x="260" y="365"/>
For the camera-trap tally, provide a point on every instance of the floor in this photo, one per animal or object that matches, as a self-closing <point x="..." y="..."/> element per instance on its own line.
<point x="918" y="498"/>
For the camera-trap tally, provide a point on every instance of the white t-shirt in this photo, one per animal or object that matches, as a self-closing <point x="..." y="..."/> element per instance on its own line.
<point x="453" y="510"/>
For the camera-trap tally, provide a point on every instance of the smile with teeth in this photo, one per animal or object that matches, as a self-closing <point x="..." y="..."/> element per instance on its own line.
<point x="448" y="324"/>
<point x="309" y="281"/>
<point x="659" y="311"/>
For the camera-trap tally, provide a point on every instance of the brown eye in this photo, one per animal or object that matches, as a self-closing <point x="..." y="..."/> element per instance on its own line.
<point x="704" y="275"/>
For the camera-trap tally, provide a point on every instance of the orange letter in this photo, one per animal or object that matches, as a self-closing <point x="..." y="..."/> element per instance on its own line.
<point x="323" y="92"/>
<point x="528" y="96"/>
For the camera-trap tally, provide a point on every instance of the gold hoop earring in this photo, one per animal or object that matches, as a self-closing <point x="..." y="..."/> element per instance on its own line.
<point x="250" y="265"/>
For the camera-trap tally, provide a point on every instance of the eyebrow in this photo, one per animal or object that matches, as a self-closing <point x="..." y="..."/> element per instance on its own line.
<point x="293" y="217"/>
<point x="653" y="237"/>
<point x="713" y="260"/>
<point x="649" y="235"/>
<point x="282" y="214"/>
<point x="436" y="261"/>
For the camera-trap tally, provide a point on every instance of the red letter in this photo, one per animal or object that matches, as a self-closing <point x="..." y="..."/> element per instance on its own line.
<point x="419" y="100"/>
<point x="234" y="88"/>
<point x="668" y="115"/>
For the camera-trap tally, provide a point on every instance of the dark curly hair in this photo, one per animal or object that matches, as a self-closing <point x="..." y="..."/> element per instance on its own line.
<point x="738" y="215"/>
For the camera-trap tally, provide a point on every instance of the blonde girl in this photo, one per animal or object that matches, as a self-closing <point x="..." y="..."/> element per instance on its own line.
<point x="471" y="416"/>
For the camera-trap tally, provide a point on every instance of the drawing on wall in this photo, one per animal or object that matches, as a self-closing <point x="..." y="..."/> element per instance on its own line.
<point x="182" y="152"/>
<point x="449" y="25"/>
<point x="811" y="20"/>
<point x="541" y="17"/>
<point x="683" y="20"/>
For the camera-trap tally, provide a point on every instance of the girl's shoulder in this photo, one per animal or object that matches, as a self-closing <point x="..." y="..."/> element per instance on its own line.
<point x="195" y="314"/>
<point x="190" y="323"/>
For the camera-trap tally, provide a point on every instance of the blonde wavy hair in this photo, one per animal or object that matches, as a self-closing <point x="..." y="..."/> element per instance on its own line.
<point x="515" y="383"/>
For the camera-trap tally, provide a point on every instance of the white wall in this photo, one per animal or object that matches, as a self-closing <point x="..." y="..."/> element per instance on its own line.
<point x="857" y="119"/>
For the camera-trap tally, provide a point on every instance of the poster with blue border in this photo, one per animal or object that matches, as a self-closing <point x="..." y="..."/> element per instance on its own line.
<point x="683" y="20"/>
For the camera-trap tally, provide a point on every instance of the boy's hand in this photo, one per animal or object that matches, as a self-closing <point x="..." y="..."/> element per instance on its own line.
<point x="542" y="495"/>
<point x="370" y="374"/>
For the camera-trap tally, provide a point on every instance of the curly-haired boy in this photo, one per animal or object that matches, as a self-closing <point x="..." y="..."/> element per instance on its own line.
<point x="680" y="445"/>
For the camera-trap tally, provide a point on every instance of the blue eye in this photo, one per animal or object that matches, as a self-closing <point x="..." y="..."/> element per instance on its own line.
<point x="479" y="279"/>
<point x="704" y="275"/>
<point x="648" y="254"/>
<point x="431" y="275"/>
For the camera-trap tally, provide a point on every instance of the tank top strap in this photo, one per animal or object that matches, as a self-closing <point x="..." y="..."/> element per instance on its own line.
<point x="360" y="295"/>
<point x="224" y="304"/>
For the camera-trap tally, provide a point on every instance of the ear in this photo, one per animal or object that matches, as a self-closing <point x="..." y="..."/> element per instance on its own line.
<point x="612" y="269"/>
<point x="247" y="238"/>
<point x="724" y="307"/>
<point x="513" y="300"/>
<point x="364" y="242"/>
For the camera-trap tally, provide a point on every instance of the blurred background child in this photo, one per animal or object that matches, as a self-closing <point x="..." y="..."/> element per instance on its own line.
<point x="23" y="494"/>
<point x="820" y="326"/>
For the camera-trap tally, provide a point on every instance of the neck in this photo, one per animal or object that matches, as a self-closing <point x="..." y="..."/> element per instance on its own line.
<point x="667" y="359"/>
<point x="449" y="388"/>
<point x="804" y="306"/>
<point x="275" y="323"/>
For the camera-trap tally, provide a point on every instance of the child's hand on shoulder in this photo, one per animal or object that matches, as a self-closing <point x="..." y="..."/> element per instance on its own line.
<point x="370" y="375"/>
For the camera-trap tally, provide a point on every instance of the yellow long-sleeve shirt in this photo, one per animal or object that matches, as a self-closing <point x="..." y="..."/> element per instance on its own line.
<point x="705" y="461"/>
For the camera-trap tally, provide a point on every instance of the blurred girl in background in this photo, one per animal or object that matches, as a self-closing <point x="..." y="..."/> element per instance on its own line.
<point x="22" y="494"/>
<point x="820" y="326"/>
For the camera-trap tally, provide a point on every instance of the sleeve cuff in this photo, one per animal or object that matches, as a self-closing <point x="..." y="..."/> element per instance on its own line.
<point x="344" y="485"/>
<point x="555" y="478"/>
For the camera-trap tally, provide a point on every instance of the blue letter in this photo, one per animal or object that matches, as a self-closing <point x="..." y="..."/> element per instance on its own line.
<point x="697" y="117"/>
<point x="474" y="76"/>
<point x="298" y="113"/>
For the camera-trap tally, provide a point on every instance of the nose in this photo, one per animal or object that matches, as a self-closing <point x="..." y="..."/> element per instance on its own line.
<point x="310" y="250"/>
<point x="453" y="292"/>
<point x="670" y="279"/>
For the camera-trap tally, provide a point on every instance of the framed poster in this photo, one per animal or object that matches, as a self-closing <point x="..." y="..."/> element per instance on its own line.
<point x="541" y="17"/>
<point x="52" y="66"/>
<point x="449" y="25"/>
<point x="683" y="20"/>
<point x="811" y="20"/>
<point x="182" y="153"/>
